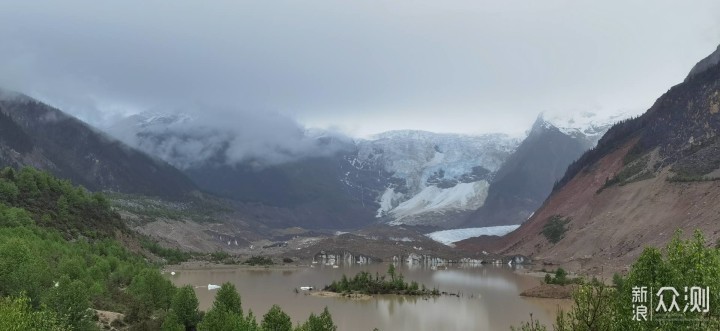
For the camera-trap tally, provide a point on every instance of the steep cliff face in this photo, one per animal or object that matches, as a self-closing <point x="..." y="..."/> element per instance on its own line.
<point x="526" y="178"/>
<point x="706" y="63"/>
<point x="38" y="135"/>
<point x="646" y="178"/>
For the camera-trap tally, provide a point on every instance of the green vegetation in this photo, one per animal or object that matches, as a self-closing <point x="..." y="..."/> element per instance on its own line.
<point x="323" y="322"/>
<point x="685" y="263"/>
<point x="561" y="278"/>
<point x="200" y="208"/>
<point x="259" y="260"/>
<point x="17" y="313"/>
<point x="184" y="305"/>
<point x="62" y="253"/>
<point x="276" y="319"/>
<point x="58" y="256"/>
<point x="633" y="171"/>
<point x="532" y="325"/>
<point x="226" y="314"/>
<point x="555" y="228"/>
<point x="365" y="283"/>
<point x="171" y="255"/>
<point x="613" y="139"/>
<point x="221" y="257"/>
<point x="684" y="177"/>
<point x="57" y="204"/>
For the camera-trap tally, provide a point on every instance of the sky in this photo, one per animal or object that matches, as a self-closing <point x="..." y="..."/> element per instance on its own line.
<point x="357" y="67"/>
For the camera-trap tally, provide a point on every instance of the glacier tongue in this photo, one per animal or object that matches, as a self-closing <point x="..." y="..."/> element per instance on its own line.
<point x="432" y="199"/>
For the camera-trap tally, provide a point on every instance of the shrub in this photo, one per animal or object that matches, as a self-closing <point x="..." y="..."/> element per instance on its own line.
<point x="554" y="230"/>
<point x="259" y="260"/>
<point x="276" y="320"/>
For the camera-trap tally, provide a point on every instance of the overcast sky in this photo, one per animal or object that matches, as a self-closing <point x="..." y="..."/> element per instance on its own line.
<point x="360" y="66"/>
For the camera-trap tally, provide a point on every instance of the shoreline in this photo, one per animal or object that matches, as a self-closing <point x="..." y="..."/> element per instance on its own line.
<point x="200" y="265"/>
<point x="335" y="295"/>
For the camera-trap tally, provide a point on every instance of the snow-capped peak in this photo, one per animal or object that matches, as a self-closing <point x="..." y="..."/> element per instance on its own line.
<point x="589" y="125"/>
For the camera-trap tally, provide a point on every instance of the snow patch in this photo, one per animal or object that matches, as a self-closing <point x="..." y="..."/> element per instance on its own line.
<point x="589" y="124"/>
<point x="387" y="201"/>
<point x="448" y="237"/>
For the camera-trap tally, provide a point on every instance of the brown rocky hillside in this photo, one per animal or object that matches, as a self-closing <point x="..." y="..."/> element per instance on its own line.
<point x="648" y="177"/>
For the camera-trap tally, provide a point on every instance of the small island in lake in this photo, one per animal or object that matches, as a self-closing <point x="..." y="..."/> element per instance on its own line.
<point x="365" y="283"/>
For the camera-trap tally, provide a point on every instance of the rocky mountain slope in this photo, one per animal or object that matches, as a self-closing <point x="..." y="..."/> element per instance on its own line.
<point x="35" y="134"/>
<point x="400" y="177"/>
<point x="647" y="177"/>
<point x="527" y="177"/>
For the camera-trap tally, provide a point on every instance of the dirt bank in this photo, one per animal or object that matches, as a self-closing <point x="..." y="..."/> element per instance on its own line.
<point x="550" y="291"/>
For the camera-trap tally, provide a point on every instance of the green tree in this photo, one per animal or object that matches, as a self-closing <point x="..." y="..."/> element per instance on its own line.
<point x="172" y="323"/>
<point x="555" y="228"/>
<point x="226" y="313"/>
<point x="276" y="320"/>
<point x="69" y="300"/>
<point x="560" y="276"/>
<point x="685" y="263"/>
<point x="221" y="320"/>
<point x="185" y="306"/>
<point x="251" y="322"/>
<point x="26" y="183"/>
<point x="323" y="322"/>
<point x="152" y="289"/>
<point x="8" y="191"/>
<point x="228" y="299"/>
<point x="63" y="208"/>
<point x="391" y="271"/>
<point x="21" y="269"/>
<point x="17" y="314"/>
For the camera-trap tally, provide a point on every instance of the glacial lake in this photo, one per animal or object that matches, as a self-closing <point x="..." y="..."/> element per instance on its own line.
<point x="489" y="296"/>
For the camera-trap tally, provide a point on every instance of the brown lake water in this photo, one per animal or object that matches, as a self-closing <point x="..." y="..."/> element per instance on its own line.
<point x="489" y="297"/>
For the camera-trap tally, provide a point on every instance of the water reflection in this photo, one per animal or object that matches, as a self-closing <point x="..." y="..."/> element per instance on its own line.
<point x="488" y="297"/>
<point x="462" y="278"/>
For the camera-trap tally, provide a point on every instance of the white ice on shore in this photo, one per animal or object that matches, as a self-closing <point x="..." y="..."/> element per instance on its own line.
<point x="448" y="237"/>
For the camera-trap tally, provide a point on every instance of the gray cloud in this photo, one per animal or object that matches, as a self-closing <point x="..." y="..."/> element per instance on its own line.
<point x="193" y="138"/>
<point x="362" y="67"/>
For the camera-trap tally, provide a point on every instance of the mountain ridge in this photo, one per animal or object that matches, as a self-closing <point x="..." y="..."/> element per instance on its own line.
<point x="44" y="137"/>
<point x="647" y="177"/>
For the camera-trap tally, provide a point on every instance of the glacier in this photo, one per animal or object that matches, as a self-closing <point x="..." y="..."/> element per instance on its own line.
<point x="432" y="199"/>
<point x="431" y="173"/>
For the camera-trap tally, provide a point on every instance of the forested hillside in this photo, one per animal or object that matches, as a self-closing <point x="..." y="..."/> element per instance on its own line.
<point x="64" y="255"/>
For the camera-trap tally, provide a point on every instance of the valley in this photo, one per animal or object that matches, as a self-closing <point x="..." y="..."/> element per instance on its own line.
<point x="325" y="167"/>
